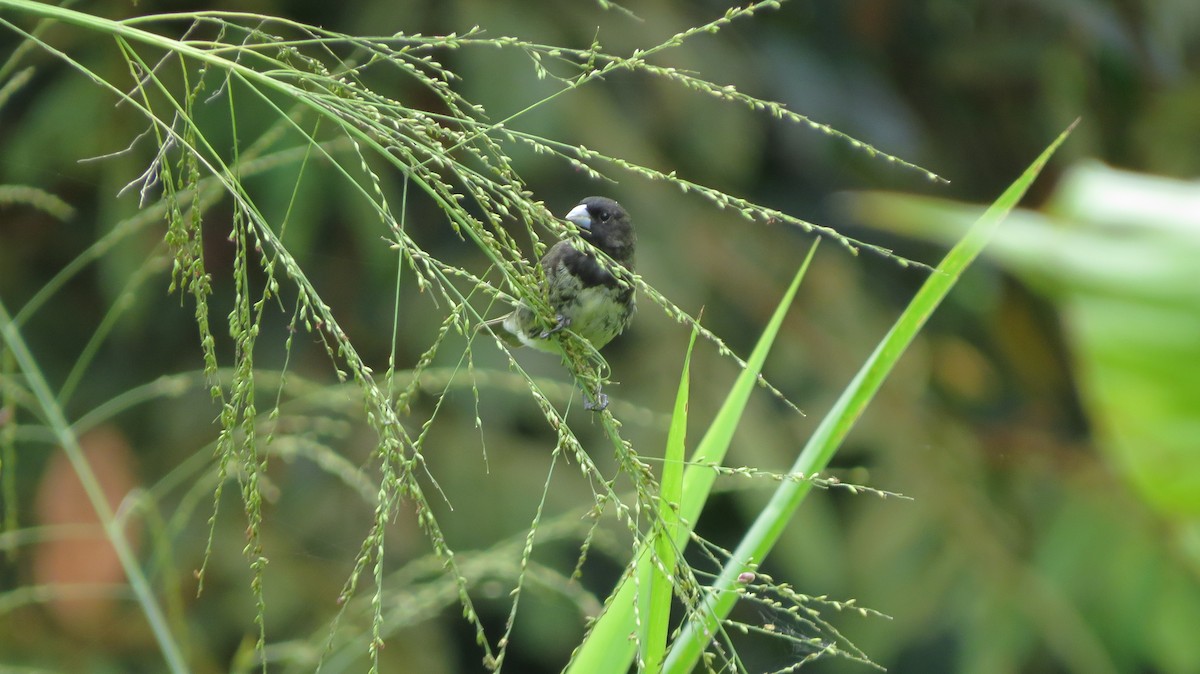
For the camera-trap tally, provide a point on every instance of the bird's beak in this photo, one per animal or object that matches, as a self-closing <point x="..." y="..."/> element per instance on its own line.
<point x="579" y="215"/>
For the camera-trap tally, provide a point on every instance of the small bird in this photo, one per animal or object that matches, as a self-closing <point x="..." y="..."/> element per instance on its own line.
<point x="586" y="297"/>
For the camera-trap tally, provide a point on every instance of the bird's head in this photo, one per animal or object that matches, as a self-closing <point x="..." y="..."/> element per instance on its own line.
<point x="605" y="225"/>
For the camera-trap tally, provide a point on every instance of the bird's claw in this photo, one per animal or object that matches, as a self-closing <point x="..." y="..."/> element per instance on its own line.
<point x="599" y="405"/>
<point x="560" y="323"/>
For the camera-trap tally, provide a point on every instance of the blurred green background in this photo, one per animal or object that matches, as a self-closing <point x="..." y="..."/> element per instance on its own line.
<point x="1034" y="541"/>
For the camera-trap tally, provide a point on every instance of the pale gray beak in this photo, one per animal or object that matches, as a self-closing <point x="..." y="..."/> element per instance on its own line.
<point x="579" y="215"/>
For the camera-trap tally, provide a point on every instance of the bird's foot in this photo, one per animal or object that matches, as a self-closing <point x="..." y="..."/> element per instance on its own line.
<point x="599" y="404"/>
<point x="560" y="323"/>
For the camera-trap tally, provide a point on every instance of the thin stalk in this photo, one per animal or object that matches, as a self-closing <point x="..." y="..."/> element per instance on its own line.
<point x="57" y="422"/>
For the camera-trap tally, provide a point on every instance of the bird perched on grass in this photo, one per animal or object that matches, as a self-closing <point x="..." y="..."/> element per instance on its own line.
<point x="586" y="297"/>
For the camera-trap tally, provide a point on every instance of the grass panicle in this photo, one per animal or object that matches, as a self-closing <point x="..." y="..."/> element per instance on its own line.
<point x="183" y="71"/>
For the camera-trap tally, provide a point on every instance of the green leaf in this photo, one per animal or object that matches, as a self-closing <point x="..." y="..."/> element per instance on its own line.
<point x="654" y="600"/>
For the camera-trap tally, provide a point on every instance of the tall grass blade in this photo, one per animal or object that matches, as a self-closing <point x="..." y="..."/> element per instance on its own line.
<point x="654" y="600"/>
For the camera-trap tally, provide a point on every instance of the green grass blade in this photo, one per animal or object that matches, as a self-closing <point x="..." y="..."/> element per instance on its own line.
<point x="699" y="477"/>
<point x="654" y="597"/>
<point x="607" y="647"/>
<point x="769" y="525"/>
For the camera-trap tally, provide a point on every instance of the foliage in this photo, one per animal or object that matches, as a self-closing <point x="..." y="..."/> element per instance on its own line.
<point x="429" y="472"/>
<point x="312" y="87"/>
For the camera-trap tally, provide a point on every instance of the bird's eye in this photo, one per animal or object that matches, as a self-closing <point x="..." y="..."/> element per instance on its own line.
<point x="604" y="216"/>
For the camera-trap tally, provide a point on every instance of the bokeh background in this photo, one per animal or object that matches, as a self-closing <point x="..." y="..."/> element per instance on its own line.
<point x="1030" y="543"/>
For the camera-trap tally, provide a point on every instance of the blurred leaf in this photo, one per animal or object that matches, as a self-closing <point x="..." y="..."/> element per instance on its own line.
<point x="1116" y="251"/>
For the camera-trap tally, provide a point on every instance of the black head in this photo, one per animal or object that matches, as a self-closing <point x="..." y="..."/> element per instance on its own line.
<point x="607" y="226"/>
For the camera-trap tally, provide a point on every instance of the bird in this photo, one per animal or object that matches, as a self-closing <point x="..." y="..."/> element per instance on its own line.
<point x="586" y="297"/>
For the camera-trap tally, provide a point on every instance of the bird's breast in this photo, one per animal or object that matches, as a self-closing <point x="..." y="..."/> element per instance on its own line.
<point x="599" y="313"/>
